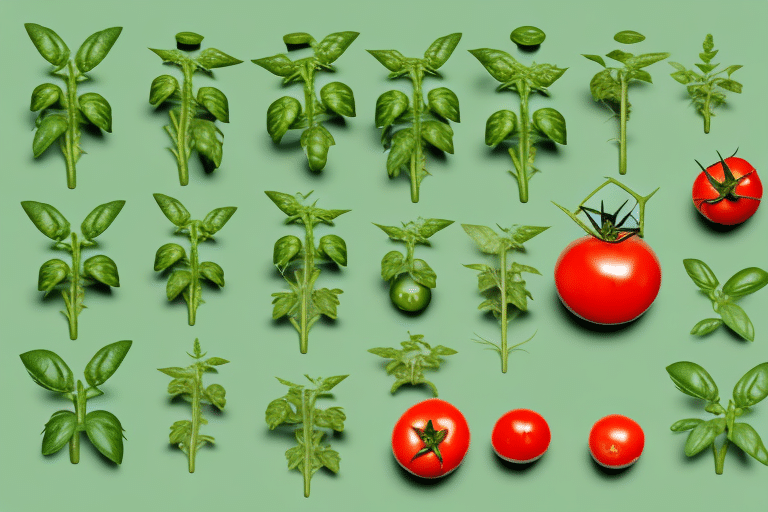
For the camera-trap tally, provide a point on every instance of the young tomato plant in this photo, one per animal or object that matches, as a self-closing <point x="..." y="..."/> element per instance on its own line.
<point x="186" y="272"/>
<point x="616" y="442"/>
<point x="188" y="383"/>
<point x="525" y="131"/>
<point x="727" y="192"/>
<point x="304" y="304"/>
<point x="409" y="124"/>
<point x="53" y="272"/>
<point x="408" y="364"/>
<point x="611" y="84"/>
<point x="192" y="116"/>
<point x="411" y="280"/>
<point x="742" y="283"/>
<point x="609" y="277"/>
<point x="62" y="113"/>
<point x="693" y="380"/>
<point x="706" y="88"/>
<point x="298" y="406"/>
<point x="336" y="99"/>
<point x="504" y="287"/>
<point x="104" y="430"/>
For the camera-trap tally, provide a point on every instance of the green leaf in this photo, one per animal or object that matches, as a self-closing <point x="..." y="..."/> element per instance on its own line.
<point x="334" y="248"/>
<point x="604" y="87"/>
<point x="58" y="431"/>
<point x="316" y="141"/>
<point x="106" y="434"/>
<point x="214" y="102"/>
<point x="746" y="281"/>
<point x="189" y="38"/>
<point x="746" y="438"/>
<point x="393" y="232"/>
<point x="213" y="272"/>
<point x="338" y="97"/>
<point x="628" y="37"/>
<point x="423" y="274"/>
<point x="387" y="353"/>
<point x="329" y="458"/>
<point x="100" y="219"/>
<point x="279" y="65"/>
<point x="50" y="129"/>
<point x="706" y="326"/>
<point x="287" y="203"/>
<point x="298" y="38"/>
<point x="178" y="281"/>
<point x="167" y="255"/>
<point x="639" y="74"/>
<point x="403" y="146"/>
<point x="97" y="110"/>
<point x="704" y="435"/>
<point x="431" y="226"/>
<point x="682" y="76"/>
<point x="621" y="56"/>
<point x="438" y="134"/>
<point x="735" y="318"/>
<point x="486" y="239"/>
<point x="286" y="248"/>
<point x="47" y="219"/>
<point x="326" y="300"/>
<point x="102" y="269"/>
<point x="52" y="272"/>
<point x="392" y="265"/>
<point x="280" y="115"/>
<point x="283" y="304"/>
<point x="332" y="418"/>
<point x="444" y="102"/>
<point x="551" y="123"/>
<point x="177" y="373"/>
<point x="216" y="394"/>
<point x="48" y="370"/>
<point x="499" y="126"/>
<point x="752" y="388"/>
<point x="646" y="59"/>
<point x="106" y="362"/>
<point x="527" y="36"/>
<point x="706" y="68"/>
<point x="95" y="48"/>
<point x="684" y="425"/>
<point x="172" y="209"/>
<point x="438" y="52"/>
<point x="163" y="87"/>
<point x="730" y="85"/>
<point x="206" y="140"/>
<point x="211" y="58"/>
<point x="701" y="274"/>
<point x="44" y="96"/>
<point x="731" y="69"/>
<point x="49" y="44"/>
<point x="217" y="218"/>
<point x="393" y="60"/>
<point x="693" y="380"/>
<point x="389" y="107"/>
<point x="329" y="383"/>
<point x="174" y="56"/>
<point x="331" y="48"/>
<point x="594" y="58"/>
<point x="542" y="76"/>
<point x="524" y="233"/>
<point x="181" y="431"/>
<point x="501" y="65"/>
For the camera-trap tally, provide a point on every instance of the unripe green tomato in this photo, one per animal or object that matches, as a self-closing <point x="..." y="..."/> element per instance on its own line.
<point x="408" y="295"/>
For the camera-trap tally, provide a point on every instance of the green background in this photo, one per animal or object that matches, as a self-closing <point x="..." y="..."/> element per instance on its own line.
<point x="573" y="374"/>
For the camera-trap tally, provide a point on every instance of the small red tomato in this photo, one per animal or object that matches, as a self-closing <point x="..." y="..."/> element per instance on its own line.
<point x="728" y="192"/>
<point x="431" y="438"/>
<point x="616" y="441"/>
<point x="521" y="436"/>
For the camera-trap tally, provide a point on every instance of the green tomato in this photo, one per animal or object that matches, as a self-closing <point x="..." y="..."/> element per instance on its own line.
<point x="408" y="295"/>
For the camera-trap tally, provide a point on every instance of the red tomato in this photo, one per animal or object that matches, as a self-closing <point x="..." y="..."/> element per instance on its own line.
<point x="428" y="432"/>
<point x="520" y="436"/>
<point x="607" y="283"/>
<point x="616" y="441"/>
<point x="740" y="198"/>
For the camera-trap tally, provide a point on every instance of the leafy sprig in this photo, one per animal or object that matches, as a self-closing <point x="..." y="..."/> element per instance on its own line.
<point x="188" y="383"/>
<point x="186" y="272"/>
<point x="693" y="380"/>
<point x="706" y="88"/>
<point x="408" y="125"/>
<point x="304" y="305"/>
<point x="95" y="269"/>
<point x="103" y="429"/>
<point x="742" y="283"/>
<point x="336" y="99"/>
<point x="503" y="286"/>
<point x="298" y="407"/>
<point x="610" y="85"/>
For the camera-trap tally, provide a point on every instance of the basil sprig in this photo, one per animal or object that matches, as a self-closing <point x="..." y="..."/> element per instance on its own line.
<point x="693" y="380"/>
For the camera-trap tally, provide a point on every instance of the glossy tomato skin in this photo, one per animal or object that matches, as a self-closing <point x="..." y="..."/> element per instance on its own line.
<point x="408" y="295"/>
<point x="521" y="436"/>
<point x="607" y="283"/>
<point x="406" y="442"/>
<point x="616" y="441"/>
<point x="728" y="212"/>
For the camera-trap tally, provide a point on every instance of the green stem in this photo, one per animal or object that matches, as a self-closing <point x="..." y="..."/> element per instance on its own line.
<point x="183" y="137"/>
<point x="417" y="76"/>
<point x="74" y="441"/>
<point x="74" y="288"/>
<point x="72" y="135"/>
<point x="525" y="143"/>
<point x="307" y="407"/>
<point x="503" y="276"/>
<point x="310" y="100"/>
<point x="706" y="111"/>
<point x="195" y="273"/>
<point x="720" y="456"/>
<point x="306" y="285"/>
<point x="623" y="140"/>
<point x="410" y="246"/>
<point x="196" y="417"/>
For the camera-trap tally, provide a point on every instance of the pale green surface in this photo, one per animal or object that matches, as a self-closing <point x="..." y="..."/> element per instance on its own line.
<point x="572" y="376"/>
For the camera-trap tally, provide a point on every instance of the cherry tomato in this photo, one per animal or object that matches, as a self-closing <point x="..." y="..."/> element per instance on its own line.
<point x="607" y="283"/>
<point x="736" y="200"/>
<point x="431" y="438"/>
<point x="408" y="295"/>
<point x="616" y="441"/>
<point x="520" y="436"/>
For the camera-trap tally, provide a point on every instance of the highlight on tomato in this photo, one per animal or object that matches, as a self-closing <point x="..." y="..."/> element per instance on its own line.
<point x="616" y="442"/>
<point x="727" y="192"/>
<point x="521" y="436"/>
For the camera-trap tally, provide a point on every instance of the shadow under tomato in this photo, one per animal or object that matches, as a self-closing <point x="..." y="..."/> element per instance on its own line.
<point x="608" y="473"/>
<point x="713" y="226"/>
<point x="416" y="481"/>
<point x="513" y="467"/>
<point x="576" y="321"/>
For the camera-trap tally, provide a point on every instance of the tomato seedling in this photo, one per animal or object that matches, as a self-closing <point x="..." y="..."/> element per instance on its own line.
<point x="411" y="280"/>
<point x="298" y="407"/>
<point x="609" y="277"/>
<point x="186" y="272"/>
<point x="706" y="88"/>
<point x="503" y="287"/>
<point x="188" y="383"/>
<point x="693" y="380"/>
<point x="336" y="99"/>
<point x="103" y="429"/>
<point x="742" y="283"/>
<point x="440" y="442"/>
<point x="192" y="117"/>
<point x="408" y="364"/>
<point x="610" y="85"/>
<point x="62" y="113"/>
<point x="616" y="442"/>
<point x="521" y="436"/>
<point x="95" y="269"/>
<point x="727" y="192"/>
<point x="304" y="305"/>
<point x="409" y="125"/>
<point x="546" y="124"/>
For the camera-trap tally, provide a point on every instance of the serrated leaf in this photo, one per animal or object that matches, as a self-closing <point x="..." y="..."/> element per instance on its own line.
<point x="326" y="300"/>
<point x="486" y="239"/>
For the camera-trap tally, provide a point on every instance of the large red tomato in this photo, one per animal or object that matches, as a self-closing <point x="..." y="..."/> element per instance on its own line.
<point x="608" y="283"/>
<point x="737" y="198"/>
<point x="521" y="436"/>
<point x="616" y="441"/>
<point x="431" y="438"/>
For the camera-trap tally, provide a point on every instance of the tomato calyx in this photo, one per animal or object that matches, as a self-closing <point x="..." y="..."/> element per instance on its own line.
<point x="726" y="189"/>
<point x="431" y="439"/>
